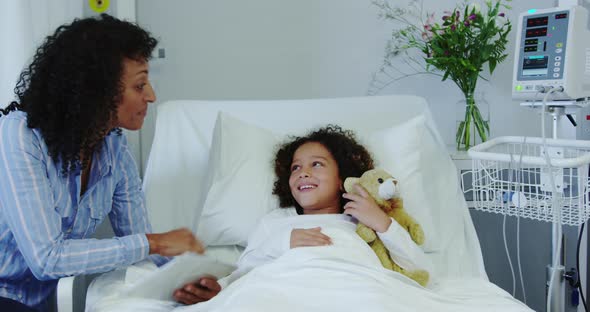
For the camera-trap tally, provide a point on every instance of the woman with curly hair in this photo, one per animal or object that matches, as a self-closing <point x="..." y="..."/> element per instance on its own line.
<point x="310" y="171"/>
<point x="65" y="165"/>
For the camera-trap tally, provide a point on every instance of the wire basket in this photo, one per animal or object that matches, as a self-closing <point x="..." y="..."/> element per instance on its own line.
<point x="510" y="176"/>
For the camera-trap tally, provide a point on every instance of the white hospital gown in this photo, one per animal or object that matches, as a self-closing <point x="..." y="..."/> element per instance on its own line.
<point x="272" y="238"/>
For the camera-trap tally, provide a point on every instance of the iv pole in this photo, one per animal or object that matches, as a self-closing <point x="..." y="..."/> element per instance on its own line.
<point x="557" y="109"/>
<point x="555" y="273"/>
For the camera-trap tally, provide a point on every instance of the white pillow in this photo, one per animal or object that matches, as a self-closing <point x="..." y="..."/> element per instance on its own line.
<point x="398" y="150"/>
<point x="240" y="176"/>
<point x="238" y="184"/>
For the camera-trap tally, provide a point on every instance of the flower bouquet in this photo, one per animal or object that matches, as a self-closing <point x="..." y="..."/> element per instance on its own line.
<point x="457" y="47"/>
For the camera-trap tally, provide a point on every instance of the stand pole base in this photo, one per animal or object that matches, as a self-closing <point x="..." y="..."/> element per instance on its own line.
<point x="557" y="290"/>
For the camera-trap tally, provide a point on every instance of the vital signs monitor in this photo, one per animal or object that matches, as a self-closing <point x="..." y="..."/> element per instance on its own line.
<point x="552" y="51"/>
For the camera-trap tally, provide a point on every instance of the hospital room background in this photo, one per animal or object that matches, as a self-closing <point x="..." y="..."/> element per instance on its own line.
<point x="303" y="49"/>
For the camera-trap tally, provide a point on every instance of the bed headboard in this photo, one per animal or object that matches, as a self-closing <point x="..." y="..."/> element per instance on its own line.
<point x="178" y="159"/>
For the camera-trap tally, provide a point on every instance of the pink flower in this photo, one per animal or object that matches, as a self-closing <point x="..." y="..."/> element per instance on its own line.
<point x="447" y="15"/>
<point x="500" y="21"/>
<point x="430" y="19"/>
<point x="427" y="35"/>
<point x="472" y="16"/>
<point x="502" y="14"/>
<point x="466" y="23"/>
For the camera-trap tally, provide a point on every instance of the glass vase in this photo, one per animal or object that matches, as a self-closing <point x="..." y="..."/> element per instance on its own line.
<point x="472" y="121"/>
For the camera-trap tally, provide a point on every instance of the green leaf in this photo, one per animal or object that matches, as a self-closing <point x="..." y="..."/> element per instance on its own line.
<point x="492" y="66"/>
<point x="445" y="76"/>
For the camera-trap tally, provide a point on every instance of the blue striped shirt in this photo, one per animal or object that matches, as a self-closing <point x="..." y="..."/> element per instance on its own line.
<point x="45" y="224"/>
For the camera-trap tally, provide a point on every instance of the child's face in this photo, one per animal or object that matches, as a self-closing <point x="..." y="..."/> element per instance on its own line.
<point x="315" y="182"/>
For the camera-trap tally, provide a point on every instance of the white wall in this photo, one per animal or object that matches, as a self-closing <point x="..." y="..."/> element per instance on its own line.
<point x="271" y="49"/>
<point x="24" y="24"/>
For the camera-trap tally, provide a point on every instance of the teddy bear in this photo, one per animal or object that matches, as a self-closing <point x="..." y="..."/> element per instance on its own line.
<point x="382" y="187"/>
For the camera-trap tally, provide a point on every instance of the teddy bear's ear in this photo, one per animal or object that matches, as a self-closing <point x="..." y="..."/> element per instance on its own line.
<point x="349" y="183"/>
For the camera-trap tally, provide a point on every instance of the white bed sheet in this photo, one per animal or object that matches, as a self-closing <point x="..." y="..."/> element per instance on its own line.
<point x="335" y="278"/>
<point x="345" y="276"/>
<point x="299" y="281"/>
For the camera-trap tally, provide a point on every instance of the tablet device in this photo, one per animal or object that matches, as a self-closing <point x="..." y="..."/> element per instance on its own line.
<point x="161" y="283"/>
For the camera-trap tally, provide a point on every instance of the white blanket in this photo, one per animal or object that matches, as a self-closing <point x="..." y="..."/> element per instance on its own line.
<point x="343" y="277"/>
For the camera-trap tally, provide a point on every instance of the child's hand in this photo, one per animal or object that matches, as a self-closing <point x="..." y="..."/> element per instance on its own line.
<point x="309" y="237"/>
<point x="364" y="209"/>
<point x="202" y="290"/>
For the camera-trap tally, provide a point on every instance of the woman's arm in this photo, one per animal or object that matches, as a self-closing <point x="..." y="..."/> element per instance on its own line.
<point x="27" y="203"/>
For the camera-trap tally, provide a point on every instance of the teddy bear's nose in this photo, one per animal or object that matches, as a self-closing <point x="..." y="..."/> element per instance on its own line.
<point x="387" y="189"/>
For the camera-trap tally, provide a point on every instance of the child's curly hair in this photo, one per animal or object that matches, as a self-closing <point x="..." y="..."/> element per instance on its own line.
<point x="352" y="158"/>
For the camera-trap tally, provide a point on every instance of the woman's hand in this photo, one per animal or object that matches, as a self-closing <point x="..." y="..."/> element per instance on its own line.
<point x="174" y="243"/>
<point x="202" y="290"/>
<point x="309" y="237"/>
<point x="364" y="209"/>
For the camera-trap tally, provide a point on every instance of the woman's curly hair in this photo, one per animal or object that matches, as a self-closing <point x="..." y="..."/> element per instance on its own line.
<point x="72" y="88"/>
<point x="352" y="158"/>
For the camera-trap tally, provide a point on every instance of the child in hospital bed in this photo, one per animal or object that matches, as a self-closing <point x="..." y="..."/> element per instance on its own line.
<point x="307" y="256"/>
<point x="315" y="211"/>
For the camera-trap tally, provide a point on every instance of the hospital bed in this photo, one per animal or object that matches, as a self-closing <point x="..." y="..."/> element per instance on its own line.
<point x="204" y="172"/>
